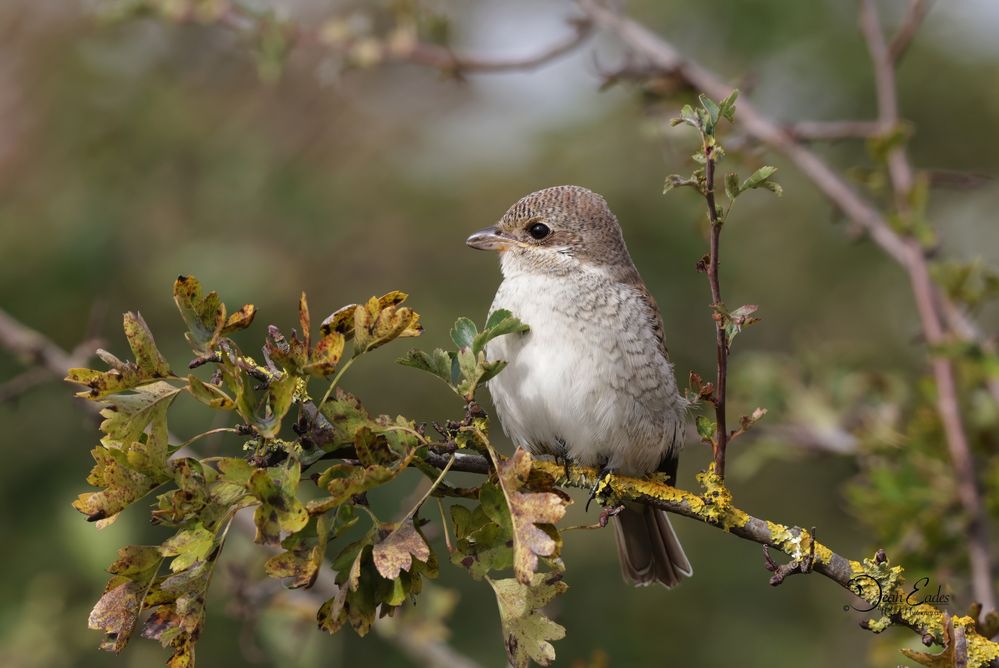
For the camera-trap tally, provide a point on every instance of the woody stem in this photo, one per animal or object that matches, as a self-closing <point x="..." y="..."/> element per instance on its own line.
<point x="721" y="344"/>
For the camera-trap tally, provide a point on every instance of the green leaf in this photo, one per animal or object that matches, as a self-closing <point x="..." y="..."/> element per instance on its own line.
<point x="727" y="106"/>
<point x="706" y="428"/>
<point x="437" y="362"/>
<point x="188" y="546"/>
<point x="527" y="631"/>
<point x="463" y="333"/>
<point x="710" y="107"/>
<point x="483" y="544"/>
<point x="732" y="188"/>
<point x="761" y="179"/>
<point x="499" y="323"/>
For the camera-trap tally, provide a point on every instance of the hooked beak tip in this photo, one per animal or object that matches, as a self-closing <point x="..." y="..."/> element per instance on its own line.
<point x="488" y="239"/>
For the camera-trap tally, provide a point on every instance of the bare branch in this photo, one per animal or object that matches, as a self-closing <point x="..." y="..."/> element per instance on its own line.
<point x="427" y="54"/>
<point x="832" y="130"/>
<point x="918" y="9"/>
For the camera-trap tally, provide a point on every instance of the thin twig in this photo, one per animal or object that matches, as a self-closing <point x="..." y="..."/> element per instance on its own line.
<point x="426" y="54"/>
<point x="917" y="11"/>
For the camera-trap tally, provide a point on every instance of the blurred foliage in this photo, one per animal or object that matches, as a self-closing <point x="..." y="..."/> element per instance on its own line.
<point x="134" y="150"/>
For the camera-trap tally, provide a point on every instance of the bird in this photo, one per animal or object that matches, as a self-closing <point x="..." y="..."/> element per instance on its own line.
<point x="590" y="381"/>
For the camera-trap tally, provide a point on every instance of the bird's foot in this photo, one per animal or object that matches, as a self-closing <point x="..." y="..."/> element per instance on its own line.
<point x="602" y="486"/>
<point x="562" y="456"/>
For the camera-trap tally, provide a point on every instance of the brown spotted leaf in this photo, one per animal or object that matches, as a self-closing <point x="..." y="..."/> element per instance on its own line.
<point x="527" y="632"/>
<point x="119" y="608"/>
<point x="396" y="551"/>
<point x="204" y="315"/>
<point x="528" y="510"/>
<point x="280" y="510"/>
<point x="210" y="395"/>
<point x="149" y="365"/>
<point x="241" y="319"/>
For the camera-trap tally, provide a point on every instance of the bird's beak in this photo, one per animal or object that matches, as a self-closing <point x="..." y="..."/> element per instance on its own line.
<point x="489" y="238"/>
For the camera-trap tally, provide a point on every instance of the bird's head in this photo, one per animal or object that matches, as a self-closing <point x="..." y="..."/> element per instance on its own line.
<point x="557" y="231"/>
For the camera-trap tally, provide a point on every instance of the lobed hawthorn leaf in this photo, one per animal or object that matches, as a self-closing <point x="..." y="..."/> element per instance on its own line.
<point x="363" y="592"/>
<point x="193" y="492"/>
<point x="188" y="546"/>
<point x="499" y="322"/>
<point x="375" y="325"/>
<point x="527" y="632"/>
<point x="118" y="609"/>
<point x="126" y="473"/>
<point x="436" y="362"/>
<point x="528" y="510"/>
<point x="177" y="604"/>
<point x="149" y="366"/>
<point x="396" y="551"/>
<point x="484" y="540"/>
<point x="127" y="416"/>
<point x="344" y="481"/>
<point x="305" y="551"/>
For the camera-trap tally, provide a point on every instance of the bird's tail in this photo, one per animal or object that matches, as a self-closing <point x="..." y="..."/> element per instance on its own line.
<point x="648" y="547"/>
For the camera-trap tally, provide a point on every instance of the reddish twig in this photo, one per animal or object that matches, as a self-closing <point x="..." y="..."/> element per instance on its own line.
<point x="721" y="338"/>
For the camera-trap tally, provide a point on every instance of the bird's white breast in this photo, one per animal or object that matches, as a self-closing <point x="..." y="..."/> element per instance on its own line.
<point x="589" y="376"/>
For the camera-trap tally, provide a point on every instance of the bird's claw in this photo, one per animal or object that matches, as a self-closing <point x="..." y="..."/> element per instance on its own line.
<point x="602" y="486"/>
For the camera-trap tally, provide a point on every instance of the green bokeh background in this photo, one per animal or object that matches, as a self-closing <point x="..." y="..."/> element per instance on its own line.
<point x="131" y="153"/>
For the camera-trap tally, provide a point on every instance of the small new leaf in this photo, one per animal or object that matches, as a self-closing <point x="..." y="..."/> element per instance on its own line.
<point x="762" y="178"/>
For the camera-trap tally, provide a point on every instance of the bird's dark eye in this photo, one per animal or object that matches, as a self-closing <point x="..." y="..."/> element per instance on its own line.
<point x="538" y="230"/>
